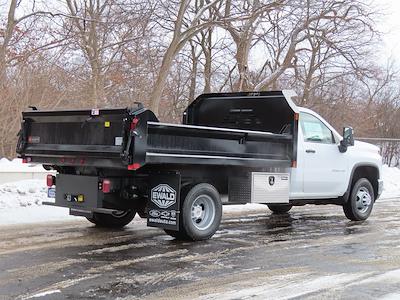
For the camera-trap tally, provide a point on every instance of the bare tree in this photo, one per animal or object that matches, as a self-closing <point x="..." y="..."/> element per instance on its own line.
<point x="20" y="40"/>
<point x="188" y="21"/>
<point x="11" y="34"/>
<point x="344" y="27"/>
<point x="101" y="29"/>
<point x="207" y="48"/>
<point x="113" y="52"/>
<point x="241" y="20"/>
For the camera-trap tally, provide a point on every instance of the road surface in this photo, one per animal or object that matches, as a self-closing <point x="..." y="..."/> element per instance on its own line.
<point x="311" y="253"/>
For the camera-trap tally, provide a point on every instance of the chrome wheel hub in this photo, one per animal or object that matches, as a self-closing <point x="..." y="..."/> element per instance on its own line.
<point x="197" y="212"/>
<point x="203" y="212"/>
<point x="364" y="200"/>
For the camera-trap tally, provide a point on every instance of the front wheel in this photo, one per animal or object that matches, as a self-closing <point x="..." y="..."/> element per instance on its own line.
<point x="279" y="209"/>
<point x="113" y="220"/>
<point x="359" y="205"/>
<point x="201" y="213"/>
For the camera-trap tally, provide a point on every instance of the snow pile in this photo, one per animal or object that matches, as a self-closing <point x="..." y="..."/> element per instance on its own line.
<point x="21" y="203"/>
<point x="391" y="182"/>
<point x="16" y="165"/>
<point x="22" y="193"/>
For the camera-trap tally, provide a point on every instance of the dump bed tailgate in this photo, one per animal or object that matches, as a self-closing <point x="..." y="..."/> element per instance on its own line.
<point x="74" y="135"/>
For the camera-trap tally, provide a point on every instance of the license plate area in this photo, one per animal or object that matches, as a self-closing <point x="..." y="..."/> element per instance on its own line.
<point x="51" y="193"/>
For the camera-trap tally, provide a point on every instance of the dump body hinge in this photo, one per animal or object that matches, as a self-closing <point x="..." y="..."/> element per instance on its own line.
<point x="22" y="137"/>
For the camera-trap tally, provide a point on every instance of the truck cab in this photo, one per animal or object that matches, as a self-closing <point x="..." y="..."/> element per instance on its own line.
<point x="325" y="169"/>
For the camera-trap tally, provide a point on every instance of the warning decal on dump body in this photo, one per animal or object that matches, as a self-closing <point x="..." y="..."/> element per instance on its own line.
<point x="163" y="208"/>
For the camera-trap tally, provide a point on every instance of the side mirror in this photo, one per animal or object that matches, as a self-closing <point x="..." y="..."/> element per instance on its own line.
<point x="348" y="139"/>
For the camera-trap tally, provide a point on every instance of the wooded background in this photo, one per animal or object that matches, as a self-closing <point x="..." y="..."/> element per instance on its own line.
<point x="110" y="53"/>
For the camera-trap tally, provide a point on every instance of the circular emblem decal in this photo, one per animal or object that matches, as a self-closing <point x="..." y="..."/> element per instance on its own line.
<point x="271" y="180"/>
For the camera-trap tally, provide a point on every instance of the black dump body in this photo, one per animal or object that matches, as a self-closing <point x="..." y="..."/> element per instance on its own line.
<point x="233" y="129"/>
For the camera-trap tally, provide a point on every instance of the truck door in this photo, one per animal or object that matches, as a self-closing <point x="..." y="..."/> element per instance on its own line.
<point x="324" y="167"/>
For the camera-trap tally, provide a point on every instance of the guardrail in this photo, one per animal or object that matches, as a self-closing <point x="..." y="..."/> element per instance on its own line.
<point x="16" y="172"/>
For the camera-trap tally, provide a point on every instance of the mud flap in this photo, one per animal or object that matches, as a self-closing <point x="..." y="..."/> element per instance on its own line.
<point x="164" y="204"/>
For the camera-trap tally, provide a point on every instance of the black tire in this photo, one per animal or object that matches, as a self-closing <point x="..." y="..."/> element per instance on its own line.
<point x="201" y="213"/>
<point x="112" y="220"/>
<point x="359" y="205"/>
<point x="179" y="235"/>
<point x="279" y="208"/>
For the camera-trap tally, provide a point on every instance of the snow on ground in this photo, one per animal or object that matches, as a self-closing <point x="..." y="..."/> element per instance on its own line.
<point x="23" y="193"/>
<point x="16" y="165"/>
<point x="21" y="201"/>
<point x="391" y="182"/>
<point x="34" y="214"/>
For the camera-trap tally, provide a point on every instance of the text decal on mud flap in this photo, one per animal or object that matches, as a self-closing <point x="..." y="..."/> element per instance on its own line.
<point x="163" y="207"/>
<point x="163" y="196"/>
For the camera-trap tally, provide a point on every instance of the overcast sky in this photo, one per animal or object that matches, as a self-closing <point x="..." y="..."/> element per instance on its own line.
<point x="390" y="25"/>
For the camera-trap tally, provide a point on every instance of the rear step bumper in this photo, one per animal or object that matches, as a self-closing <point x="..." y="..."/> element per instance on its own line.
<point x="88" y="213"/>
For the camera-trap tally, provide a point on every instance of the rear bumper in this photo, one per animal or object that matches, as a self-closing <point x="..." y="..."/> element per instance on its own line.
<point x="380" y="188"/>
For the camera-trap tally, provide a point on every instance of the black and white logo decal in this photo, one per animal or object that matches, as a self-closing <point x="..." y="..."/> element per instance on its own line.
<point x="271" y="180"/>
<point x="169" y="214"/>
<point x="163" y="196"/>
<point x="154" y="213"/>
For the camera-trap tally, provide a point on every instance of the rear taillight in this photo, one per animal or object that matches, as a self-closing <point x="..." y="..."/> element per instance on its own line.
<point x="106" y="186"/>
<point x="51" y="180"/>
<point x="134" y="123"/>
<point x="134" y="166"/>
<point x="26" y="160"/>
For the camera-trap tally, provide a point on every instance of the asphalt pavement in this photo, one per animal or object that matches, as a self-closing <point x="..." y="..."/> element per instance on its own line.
<point x="313" y="252"/>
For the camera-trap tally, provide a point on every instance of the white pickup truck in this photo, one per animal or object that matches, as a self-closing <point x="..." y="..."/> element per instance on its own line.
<point x="256" y="147"/>
<point x="333" y="169"/>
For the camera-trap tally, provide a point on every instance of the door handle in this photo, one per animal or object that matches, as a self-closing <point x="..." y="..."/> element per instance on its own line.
<point x="310" y="151"/>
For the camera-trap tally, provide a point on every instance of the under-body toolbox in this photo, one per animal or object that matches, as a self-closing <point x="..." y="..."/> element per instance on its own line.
<point x="76" y="191"/>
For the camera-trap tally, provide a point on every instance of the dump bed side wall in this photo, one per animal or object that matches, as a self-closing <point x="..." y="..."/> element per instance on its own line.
<point x="206" y="145"/>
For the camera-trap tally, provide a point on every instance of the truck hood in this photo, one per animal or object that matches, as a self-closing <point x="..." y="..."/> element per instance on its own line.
<point x="363" y="146"/>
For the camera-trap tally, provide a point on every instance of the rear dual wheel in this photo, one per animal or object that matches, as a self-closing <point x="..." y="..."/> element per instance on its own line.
<point x="116" y="219"/>
<point x="279" y="208"/>
<point x="201" y="213"/>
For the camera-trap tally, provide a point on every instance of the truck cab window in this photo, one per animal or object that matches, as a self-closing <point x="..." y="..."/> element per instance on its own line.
<point x="314" y="130"/>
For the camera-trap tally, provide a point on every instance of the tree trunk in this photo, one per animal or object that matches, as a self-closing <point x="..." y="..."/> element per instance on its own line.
<point x="3" y="75"/>
<point x="242" y="59"/>
<point x="272" y="80"/>
<point x="8" y="33"/>
<point x="97" y="98"/>
<point x="208" y="59"/>
<point x="159" y="85"/>
<point x="193" y="75"/>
